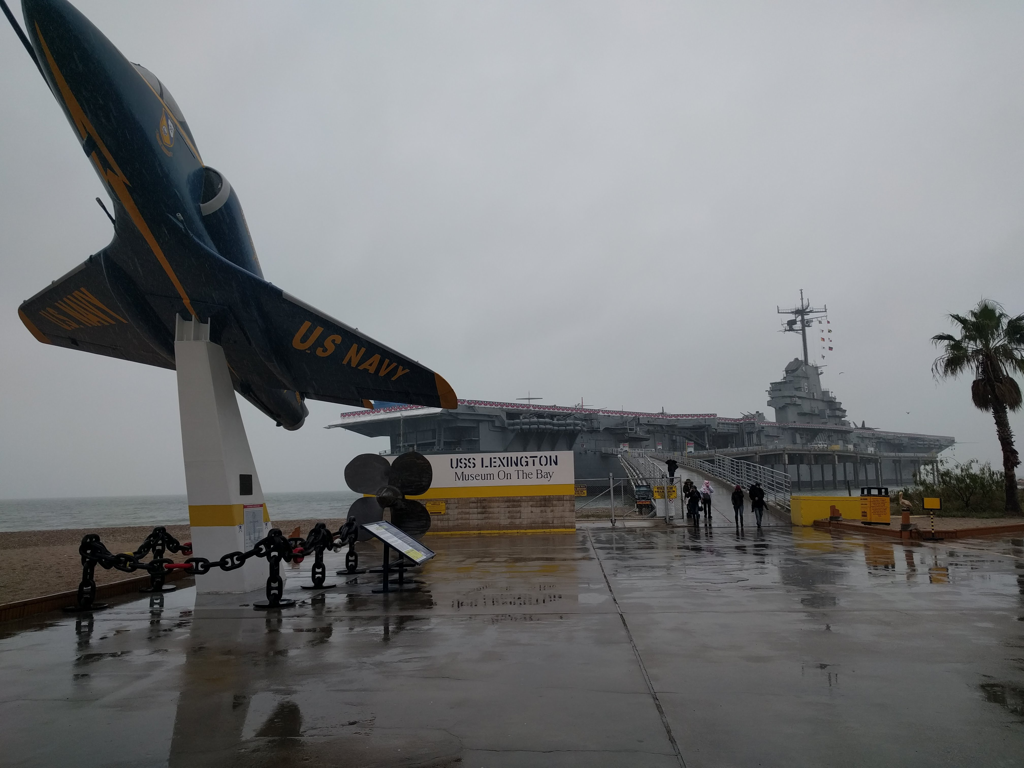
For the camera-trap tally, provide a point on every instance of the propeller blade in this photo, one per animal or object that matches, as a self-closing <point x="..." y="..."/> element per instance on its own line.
<point x="411" y="473"/>
<point x="367" y="473"/>
<point x="412" y="517"/>
<point x="365" y="510"/>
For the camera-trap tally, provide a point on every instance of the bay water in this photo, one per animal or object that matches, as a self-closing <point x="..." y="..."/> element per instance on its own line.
<point x="116" y="511"/>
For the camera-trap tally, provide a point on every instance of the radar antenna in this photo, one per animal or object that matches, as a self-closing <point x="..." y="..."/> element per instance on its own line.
<point x="529" y="397"/>
<point x="799" y="323"/>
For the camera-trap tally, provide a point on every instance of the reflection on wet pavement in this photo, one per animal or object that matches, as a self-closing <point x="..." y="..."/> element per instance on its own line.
<point x="775" y="647"/>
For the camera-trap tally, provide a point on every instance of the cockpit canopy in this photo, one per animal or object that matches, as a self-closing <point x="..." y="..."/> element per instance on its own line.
<point x="165" y="95"/>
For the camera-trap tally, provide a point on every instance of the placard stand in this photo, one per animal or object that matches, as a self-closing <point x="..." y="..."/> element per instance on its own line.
<point x="396" y="539"/>
<point x="226" y="508"/>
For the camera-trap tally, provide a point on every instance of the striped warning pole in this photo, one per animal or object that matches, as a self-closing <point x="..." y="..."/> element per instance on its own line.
<point x="932" y="504"/>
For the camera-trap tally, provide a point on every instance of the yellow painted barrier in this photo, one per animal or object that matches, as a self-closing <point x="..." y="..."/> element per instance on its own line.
<point x="807" y="509"/>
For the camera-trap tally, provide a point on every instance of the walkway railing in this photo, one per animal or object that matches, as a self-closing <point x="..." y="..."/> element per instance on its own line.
<point x="778" y="486"/>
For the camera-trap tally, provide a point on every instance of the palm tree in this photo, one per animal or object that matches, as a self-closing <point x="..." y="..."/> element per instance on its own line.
<point x="991" y="345"/>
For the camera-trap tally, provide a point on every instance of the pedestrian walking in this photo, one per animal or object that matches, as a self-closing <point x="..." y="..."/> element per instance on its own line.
<point x="672" y="466"/>
<point x="693" y="503"/>
<point x="705" y="497"/>
<point x="737" y="506"/>
<point x="756" y="493"/>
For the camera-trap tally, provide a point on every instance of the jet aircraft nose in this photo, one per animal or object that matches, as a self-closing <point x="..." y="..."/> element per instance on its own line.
<point x="54" y="19"/>
<point x="104" y="97"/>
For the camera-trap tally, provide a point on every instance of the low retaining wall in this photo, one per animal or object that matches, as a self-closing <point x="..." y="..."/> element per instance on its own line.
<point x="504" y="514"/>
<point x="921" y="533"/>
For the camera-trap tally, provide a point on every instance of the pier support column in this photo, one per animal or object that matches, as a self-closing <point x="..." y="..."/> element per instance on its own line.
<point x="225" y="502"/>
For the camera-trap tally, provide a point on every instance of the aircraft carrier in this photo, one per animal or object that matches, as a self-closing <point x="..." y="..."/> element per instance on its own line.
<point x="810" y="438"/>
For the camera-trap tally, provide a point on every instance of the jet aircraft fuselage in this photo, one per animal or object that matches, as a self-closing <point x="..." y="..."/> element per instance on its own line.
<point x="182" y="248"/>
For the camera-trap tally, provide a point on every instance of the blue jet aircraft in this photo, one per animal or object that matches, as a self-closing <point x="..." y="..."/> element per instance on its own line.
<point x="181" y="247"/>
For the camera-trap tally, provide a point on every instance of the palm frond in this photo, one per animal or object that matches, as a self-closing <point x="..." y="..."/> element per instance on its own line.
<point x="1008" y="391"/>
<point x="981" y="395"/>
<point x="991" y="343"/>
<point x="1014" y="332"/>
<point x="953" y="361"/>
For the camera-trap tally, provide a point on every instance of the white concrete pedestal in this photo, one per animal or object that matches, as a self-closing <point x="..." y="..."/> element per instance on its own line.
<point x="225" y="502"/>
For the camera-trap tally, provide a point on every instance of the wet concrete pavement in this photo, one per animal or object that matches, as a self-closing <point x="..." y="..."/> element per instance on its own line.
<point x="609" y="647"/>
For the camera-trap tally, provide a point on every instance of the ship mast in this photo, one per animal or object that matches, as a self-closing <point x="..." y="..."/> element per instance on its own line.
<point x="800" y="321"/>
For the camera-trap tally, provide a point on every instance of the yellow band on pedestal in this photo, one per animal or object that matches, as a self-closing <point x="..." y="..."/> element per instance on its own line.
<point x="220" y="514"/>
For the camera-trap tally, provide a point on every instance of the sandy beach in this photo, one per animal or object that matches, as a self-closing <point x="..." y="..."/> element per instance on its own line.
<point x="37" y="563"/>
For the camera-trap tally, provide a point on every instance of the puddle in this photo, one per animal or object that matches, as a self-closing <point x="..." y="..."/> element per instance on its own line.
<point x="1005" y="695"/>
<point x="284" y="722"/>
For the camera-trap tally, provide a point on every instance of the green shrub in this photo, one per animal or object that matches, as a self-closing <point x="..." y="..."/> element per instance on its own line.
<point x="970" y="489"/>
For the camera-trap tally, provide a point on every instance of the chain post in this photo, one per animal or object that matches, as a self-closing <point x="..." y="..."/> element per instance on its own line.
<point x="158" y="539"/>
<point x="86" y="597"/>
<point x="347" y="534"/>
<point x="319" y="539"/>
<point x="351" y="559"/>
<point x="278" y="548"/>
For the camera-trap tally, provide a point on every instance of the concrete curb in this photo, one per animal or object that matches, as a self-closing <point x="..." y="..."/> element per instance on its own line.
<point x="919" y="533"/>
<point x="33" y="605"/>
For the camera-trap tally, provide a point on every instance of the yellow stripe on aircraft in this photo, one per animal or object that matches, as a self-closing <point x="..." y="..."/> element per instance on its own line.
<point x="117" y="180"/>
<point x="32" y="328"/>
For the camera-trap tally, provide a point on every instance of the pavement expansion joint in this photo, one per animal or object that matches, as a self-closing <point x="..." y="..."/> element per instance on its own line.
<point x="639" y="658"/>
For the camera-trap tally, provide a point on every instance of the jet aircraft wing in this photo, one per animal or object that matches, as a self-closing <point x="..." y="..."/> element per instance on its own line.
<point x="307" y="350"/>
<point x="81" y="311"/>
<point x="325" y="359"/>
<point x="270" y="339"/>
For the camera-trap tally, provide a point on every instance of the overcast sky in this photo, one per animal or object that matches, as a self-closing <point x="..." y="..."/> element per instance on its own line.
<point x="597" y="200"/>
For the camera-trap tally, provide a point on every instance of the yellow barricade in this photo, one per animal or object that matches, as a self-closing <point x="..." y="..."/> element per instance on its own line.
<point x="806" y="509"/>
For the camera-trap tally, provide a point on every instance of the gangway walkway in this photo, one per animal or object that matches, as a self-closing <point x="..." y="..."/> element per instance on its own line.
<point x="721" y="499"/>
<point x="644" y="467"/>
<point x="636" y="476"/>
<point x="778" y="486"/>
<point x="652" y="465"/>
<point x="632" y="471"/>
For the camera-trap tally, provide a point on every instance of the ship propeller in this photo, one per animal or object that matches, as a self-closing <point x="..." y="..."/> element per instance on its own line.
<point x="386" y="486"/>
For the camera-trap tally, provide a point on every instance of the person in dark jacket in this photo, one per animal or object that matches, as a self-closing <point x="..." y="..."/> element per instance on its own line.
<point x="672" y="465"/>
<point x="737" y="506"/>
<point x="756" y="493"/>
<point x="693" y="504"/>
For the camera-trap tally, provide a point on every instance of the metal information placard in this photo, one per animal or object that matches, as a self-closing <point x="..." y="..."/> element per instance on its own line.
<point x="252" y="520"/>
<point x="659" y="491"/>
<point x="399" y="540"/>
